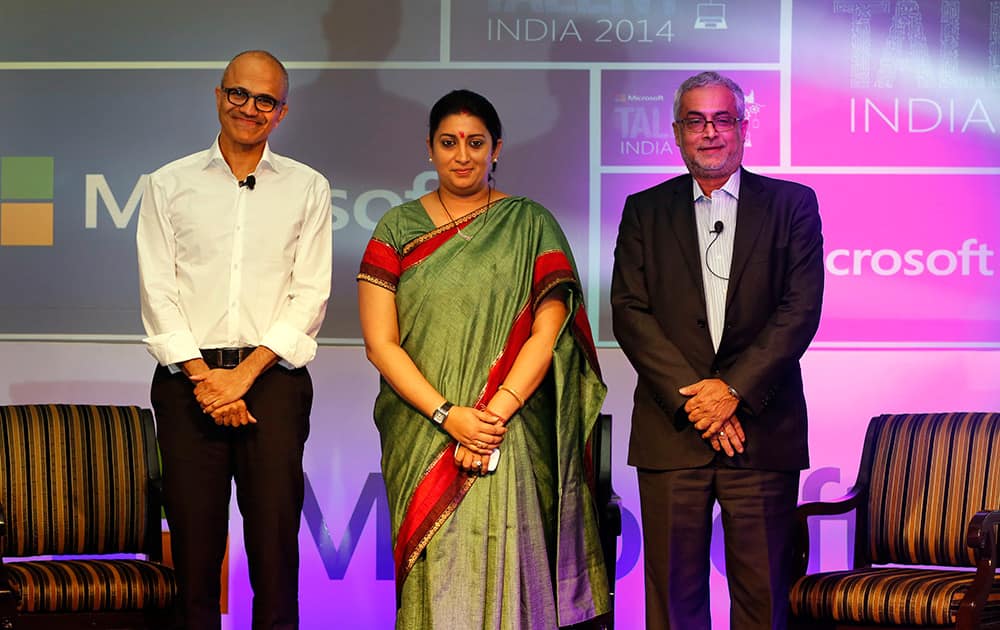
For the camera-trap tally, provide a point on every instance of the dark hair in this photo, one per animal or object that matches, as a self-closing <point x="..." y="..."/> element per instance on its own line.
<point x="466" y="102"/>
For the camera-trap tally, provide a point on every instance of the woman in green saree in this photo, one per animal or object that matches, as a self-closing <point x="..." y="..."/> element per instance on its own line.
<point x="471" y="311"/>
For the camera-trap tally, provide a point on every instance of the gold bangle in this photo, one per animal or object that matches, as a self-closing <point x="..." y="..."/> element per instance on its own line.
<point x="520" y="401"/>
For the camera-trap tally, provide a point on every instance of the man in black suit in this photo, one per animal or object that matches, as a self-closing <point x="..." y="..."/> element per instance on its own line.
<point x="716" y="294"/>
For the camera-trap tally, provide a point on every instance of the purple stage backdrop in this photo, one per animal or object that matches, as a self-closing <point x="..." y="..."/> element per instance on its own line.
<point x="887" y="108"/>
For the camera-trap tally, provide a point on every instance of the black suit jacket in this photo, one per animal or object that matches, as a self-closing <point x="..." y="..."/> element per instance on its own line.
<point x="772" y="312"/>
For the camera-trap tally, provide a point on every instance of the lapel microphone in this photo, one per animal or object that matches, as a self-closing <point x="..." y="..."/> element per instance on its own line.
<point x="717" y="230"/>
<point x="251" y="181"/>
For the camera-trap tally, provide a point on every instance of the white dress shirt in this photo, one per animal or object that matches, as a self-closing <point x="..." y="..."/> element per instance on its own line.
<point x="221" y="265"/>
<point x="716" y="249"/>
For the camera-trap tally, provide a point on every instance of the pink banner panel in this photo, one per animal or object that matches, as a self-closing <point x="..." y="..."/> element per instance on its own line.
<point x="637" y="112"/>
<point x="910" y="259"/>
<point x="895" y="83"/>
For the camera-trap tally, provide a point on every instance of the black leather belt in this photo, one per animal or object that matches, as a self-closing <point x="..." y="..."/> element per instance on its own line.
<point x="225" y="357"/>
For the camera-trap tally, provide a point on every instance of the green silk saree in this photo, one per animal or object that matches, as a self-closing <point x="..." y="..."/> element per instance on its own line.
<point x="518" y="548"/>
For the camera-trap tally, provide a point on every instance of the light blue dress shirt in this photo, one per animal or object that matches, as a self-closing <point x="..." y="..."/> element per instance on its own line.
<point x="716" y="249"/>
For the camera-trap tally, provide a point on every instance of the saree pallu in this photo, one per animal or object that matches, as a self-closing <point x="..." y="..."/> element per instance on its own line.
<point x="518" y="548"/>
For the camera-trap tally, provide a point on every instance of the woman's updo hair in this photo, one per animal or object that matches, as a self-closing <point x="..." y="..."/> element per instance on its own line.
<point x="466" y="102"/>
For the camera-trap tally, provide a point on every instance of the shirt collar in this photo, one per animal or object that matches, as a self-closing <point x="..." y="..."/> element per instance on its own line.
<point x="267" y="159"/>
<point x="731" y="187"/>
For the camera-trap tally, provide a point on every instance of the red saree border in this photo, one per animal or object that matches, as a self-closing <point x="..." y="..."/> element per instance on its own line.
<point x="417" y="250"/>
<point x="553" y="268"/>
<point x="585" y="339"/>
<point x="434" y="499"/>
<point x="425" y="248"/>
<point x="519" y="333"/>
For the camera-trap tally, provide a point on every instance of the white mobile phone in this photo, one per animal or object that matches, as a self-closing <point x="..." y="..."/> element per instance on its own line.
<point x="494" y="460"/>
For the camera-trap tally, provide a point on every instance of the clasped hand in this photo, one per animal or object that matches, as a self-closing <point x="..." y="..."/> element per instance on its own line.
<point x="712" y="410"/>
<point x="220" y="394"/>
<point x="478" y="433"/>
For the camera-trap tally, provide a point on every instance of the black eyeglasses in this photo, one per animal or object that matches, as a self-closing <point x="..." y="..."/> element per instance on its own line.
<point x="722" y="122"/>
<point x="264" y="103"/>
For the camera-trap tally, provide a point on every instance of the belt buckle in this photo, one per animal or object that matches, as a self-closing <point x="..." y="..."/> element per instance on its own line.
<point x="229" y="357"/>
<point x="226" y="358"/>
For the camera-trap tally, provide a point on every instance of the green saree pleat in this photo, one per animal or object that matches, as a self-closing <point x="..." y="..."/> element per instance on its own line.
<point x="520" y="549"/>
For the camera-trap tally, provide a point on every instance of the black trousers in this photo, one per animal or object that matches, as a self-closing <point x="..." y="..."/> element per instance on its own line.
<point x="200" y="461"/>
<point x="758" y="509"/>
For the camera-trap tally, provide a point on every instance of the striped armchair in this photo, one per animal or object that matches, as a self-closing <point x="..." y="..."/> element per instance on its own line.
<point x="927" y="503"/>
<point x="80" y="485"/>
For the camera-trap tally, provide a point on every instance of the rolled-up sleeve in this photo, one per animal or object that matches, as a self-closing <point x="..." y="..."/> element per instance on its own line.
<point x="292" y="336"/>
<point x="168" y="336"/>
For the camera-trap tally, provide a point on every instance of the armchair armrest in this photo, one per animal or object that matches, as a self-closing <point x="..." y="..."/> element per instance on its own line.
<point x="612" y="515"/>
<point x="609" y="512"/>
<point x="854" y="500"/>
<point x="8" y="597"/>
<point x="611" y="529"/>
<point x="981" y="536"/>
<point x="983" y="532"/>
<point x="841" y="505"/>
<point x="153" y="545"/>
<point x="3" y="546"/>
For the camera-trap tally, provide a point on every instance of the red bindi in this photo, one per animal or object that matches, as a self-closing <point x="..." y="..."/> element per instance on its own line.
<point x="461" y="134"/>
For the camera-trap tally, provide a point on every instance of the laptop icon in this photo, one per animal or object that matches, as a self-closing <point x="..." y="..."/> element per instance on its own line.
<point x="711" y="15"/>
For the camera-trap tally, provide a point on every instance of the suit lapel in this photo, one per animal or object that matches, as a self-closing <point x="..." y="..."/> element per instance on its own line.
<point x="686" y="231"/>
<point x="751" y="214"/>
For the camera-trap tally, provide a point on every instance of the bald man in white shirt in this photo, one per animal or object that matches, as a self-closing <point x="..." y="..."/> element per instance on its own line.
<point x="235" y="249"/>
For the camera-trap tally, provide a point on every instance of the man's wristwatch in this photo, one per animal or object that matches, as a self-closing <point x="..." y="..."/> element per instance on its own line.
<point x="732" y="392"/>
<point x="441" y="413"/>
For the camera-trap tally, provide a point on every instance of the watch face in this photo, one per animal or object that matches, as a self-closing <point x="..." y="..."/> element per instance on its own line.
<point x="441" y="413"/>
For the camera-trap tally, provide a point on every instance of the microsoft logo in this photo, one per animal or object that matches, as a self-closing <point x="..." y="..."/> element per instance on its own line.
<point x="26" y="209"/>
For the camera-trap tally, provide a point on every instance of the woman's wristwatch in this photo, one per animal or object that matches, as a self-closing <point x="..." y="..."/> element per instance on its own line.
<point x="441" y="413"/>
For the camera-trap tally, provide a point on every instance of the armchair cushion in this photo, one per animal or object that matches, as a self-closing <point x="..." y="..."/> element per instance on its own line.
<point x="91" y="585"/>
<point x="888" y="596"/>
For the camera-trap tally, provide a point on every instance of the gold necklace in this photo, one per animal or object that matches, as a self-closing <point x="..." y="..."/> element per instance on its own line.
<point x="489" y="195"/>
